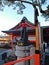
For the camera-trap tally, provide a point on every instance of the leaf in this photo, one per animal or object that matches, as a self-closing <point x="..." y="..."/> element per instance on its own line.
<point x="19" y="12"/>
<point x="43" y="1"/>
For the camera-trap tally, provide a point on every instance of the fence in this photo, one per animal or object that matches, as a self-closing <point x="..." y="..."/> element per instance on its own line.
<point x="35" y="56"/>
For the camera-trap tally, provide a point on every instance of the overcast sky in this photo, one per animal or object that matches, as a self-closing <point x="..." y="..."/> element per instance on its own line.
<point x="9" y="17"/>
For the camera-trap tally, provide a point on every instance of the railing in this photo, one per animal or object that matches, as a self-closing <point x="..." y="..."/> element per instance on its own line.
<point x="35" y="56"/>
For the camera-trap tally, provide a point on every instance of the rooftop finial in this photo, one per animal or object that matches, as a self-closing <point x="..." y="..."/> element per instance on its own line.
<point x="24" y="19"/>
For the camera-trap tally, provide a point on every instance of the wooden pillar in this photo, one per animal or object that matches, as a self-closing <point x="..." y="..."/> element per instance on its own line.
<point x="38" y="41"/>
<point x="36" y="14"/>
<point x="37" y="49"/>
<point x="37" y="36"/>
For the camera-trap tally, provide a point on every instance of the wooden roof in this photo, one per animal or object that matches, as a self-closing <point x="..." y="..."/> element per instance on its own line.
<point x="18" y="27"/>
<point x="28" y="24"/>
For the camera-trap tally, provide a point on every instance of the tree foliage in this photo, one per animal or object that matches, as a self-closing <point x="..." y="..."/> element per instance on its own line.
<point x="15" y="3"/>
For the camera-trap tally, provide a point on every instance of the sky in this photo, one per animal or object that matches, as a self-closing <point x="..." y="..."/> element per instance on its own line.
<point x="9" y="17"/>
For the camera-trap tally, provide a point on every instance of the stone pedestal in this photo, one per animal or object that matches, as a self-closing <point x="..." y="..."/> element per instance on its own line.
<point x="21" y="52"/>
<point x="24" y="51"/>
<point x="32" y="52"/>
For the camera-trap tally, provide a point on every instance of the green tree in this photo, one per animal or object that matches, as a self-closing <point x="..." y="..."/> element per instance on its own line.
<point x="20" y="3"/>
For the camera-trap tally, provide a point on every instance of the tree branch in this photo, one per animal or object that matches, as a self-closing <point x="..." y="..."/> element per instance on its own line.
<point x="39" y="5"/>
<point x="28" y="2"/>
<point x="34" y="5"/>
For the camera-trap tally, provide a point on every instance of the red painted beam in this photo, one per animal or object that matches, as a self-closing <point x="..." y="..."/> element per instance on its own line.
<point x="32" y="41"/>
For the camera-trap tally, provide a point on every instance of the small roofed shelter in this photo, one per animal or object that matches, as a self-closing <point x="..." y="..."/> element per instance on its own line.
<point x="16" y="30"/>
<point x="30" y="27"/>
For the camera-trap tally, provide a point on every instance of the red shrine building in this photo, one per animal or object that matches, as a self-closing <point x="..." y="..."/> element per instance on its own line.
<point x="30" y="27"/>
